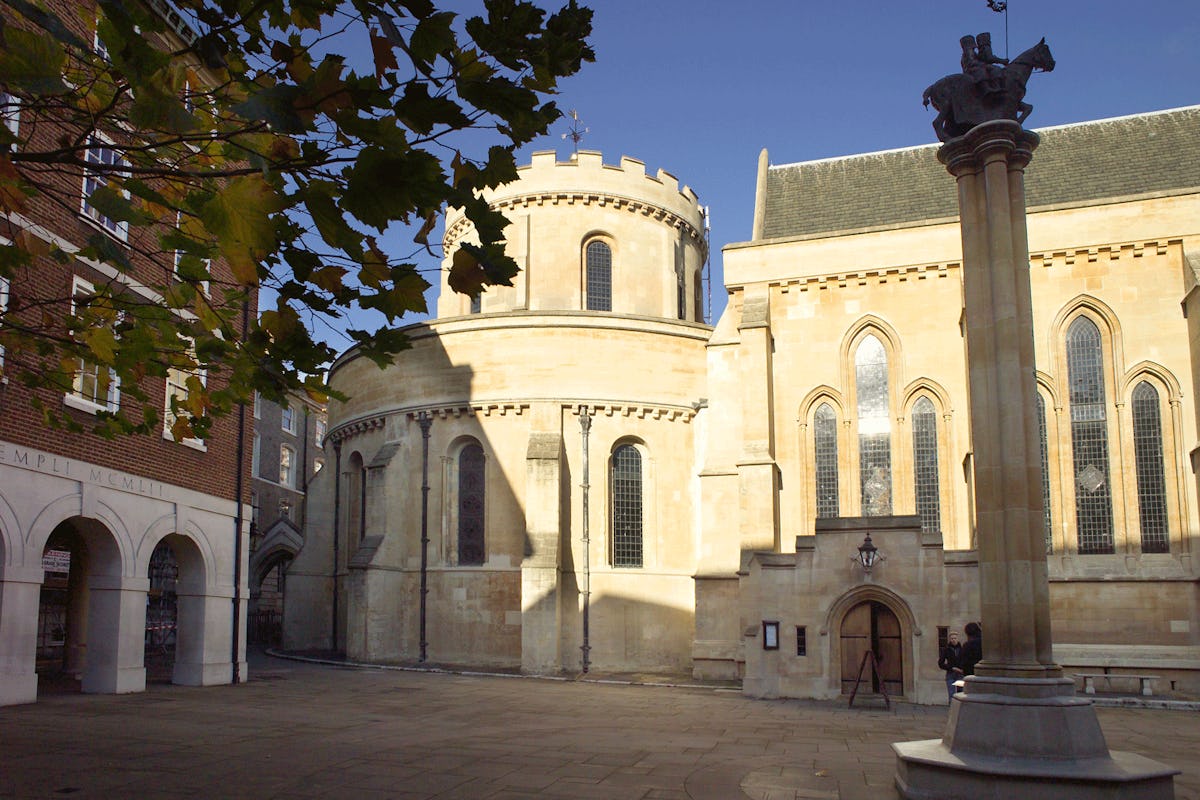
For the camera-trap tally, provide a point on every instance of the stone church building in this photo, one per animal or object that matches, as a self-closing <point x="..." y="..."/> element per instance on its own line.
<point x="578" y="471"/>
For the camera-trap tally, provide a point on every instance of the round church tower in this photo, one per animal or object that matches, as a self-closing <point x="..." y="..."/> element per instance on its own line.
<point x="592" y="237"/>
<point x="554" y="425"/>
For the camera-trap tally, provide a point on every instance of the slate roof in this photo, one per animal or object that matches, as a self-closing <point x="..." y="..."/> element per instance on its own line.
<point x="1147" y="153"/>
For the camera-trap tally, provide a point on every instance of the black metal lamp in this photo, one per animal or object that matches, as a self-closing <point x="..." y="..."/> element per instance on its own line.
<point x="868" y="554"/>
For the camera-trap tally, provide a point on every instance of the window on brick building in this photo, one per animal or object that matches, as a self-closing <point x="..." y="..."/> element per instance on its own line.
<point x="257" y="406"/>
<point x="94" y="388"/>
<point x="321" y="428"/>
<point x="10" y="117"/>
<point x="3" y="309"/>
<point x="179" y="388"/>
<point x="287" y="418"/>
<point x="287" y="460"/>
<point x="104" y="160"/>
<point x="188" y="267"/>
<point x="254" y="457"/>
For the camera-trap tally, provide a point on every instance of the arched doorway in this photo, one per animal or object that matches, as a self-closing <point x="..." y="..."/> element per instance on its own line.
<point x="872" y="626"/>
<point x="162" y="614"/>
<point x="75" y="633"/>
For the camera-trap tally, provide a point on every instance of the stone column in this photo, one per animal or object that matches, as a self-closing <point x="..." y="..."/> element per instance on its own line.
<point x="20" y="594"/>
<point x="541" y="587"/>
<point x="1018" y="731"/>
<point x="116" y="635"/>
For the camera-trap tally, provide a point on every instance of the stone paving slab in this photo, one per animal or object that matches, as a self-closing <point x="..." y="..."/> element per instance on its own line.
<point x="317" y="731"/>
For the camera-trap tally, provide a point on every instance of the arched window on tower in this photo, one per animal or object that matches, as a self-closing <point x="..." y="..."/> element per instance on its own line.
<point x="1151" y="486"/>
<point x="925" y="465"/>
<point x="1089" y="438"/>
<point x="471" y="496"/>
<point x="625" y="488"/>
<point x="825" y="450"/>
<point x="599" y="276"/>
<point x="1044" y="449"/>
<point x="874" y="428"/>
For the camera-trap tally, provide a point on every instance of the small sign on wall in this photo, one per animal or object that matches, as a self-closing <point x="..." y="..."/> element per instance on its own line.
<point x="57" y="561"/>
<point x="770" y="635"/>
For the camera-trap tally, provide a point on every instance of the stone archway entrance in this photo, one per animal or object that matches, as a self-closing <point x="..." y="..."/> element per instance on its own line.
<point x="872" y="626"/>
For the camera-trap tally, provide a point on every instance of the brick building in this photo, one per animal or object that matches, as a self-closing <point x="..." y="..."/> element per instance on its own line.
<point x="115" y="554"/>
<point x="286" y="455"/>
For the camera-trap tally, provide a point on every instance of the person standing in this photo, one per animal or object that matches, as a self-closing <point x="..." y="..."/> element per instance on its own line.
<point x="972" y="651"/>
<point x="950" y="660"/>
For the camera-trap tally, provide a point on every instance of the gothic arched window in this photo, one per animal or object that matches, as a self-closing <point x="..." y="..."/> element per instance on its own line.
<point x="1151" y="486"/>
<point x="625" y="481"/>
<point x="1045" y="453"/>
<point x="1089" y="437"/>
<point x="471" y="496"/>
<point x="874" y="427"/>
<point x="599" y="276"/>
<point x="925" y="465"/>
<point x="825" y="450"/>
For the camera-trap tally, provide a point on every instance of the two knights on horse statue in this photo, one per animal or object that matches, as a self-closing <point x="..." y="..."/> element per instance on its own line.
<point x="988" y="88"/>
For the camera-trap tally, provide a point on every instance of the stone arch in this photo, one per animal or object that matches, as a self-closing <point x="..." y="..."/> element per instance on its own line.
<point x="11" y="552"/>
<point x="192" y="607"/>
<point x="929" y="387"/>
<point x="1110" y="331"/>
<point x="885" y="333"/>
<point x="114" y="549"/>
<point x="166" y="525"/>
<point x="837" y="612"/>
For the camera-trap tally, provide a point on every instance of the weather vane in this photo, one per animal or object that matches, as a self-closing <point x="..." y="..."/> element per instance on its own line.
<point x="577" y="131"/>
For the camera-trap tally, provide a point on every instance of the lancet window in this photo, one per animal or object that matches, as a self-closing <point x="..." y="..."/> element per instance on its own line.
<point x="925" y="465"/>
<point x="599" y="276"/>
<point x="471" y="504"/>
<point x="825" y="448"/>
<point x="1044" y="449"/>
<point x="625" y="482"/>
<point x="874" y="427"/>
<point x="1089" y="437"/>
<point x="1151" y="485"/>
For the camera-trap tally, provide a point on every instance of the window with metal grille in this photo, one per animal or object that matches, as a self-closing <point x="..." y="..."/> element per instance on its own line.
<point x="471" y="491"/>
<point x="1151" y="486"/>
<point x="626" y="491"/>
<point x="1043" y="445"/>
<point x="925" y="465"/>
<point x="826" y="457"/>
<point x="801" y="641"/>
<point x="599" y="277"/>
<point x="874" y="428"/>
<point x="1089" y="438"/>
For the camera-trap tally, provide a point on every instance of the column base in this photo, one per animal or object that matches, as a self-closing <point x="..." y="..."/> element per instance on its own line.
<point x="1025" y="739"/>
<point x="18" y="688"/>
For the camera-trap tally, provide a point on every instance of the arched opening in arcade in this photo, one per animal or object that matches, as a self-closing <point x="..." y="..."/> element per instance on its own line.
<point x="74" y="632"/>
<point x="872" y="650"/>
<point x="270" y="558"/>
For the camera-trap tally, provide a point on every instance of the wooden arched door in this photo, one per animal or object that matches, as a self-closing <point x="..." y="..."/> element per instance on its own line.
<point x="871" y="625"/>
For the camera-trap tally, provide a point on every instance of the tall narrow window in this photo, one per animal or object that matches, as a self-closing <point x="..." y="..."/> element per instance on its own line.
<point x="599" y="277"/>
<point x="826" y="452"/>
<point x="287" y="418"/>
<point x="1047" y="525"/>
<point x="181" y="381"/>
<point x="94" y="388"/>
<point x="1151" y="486"/>
<point x="626" y="490"/>
<point x="287" y="463"/>
<point x="925" y="465"/>
<point x="254" y="457"/>
<point x="10" y="116"/>
<point x="1089" y="438"/>
<point x="3" y="309"/>
<point x="470" y="504"/>
<point x="104" y="161"/>
<point x="477" y="303"/>
<point x="874" y="428"/>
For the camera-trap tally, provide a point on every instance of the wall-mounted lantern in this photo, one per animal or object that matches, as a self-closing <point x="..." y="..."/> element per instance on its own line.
<point x="868" y="555"/>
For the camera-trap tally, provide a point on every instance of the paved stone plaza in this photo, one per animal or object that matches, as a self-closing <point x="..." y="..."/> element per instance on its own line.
<point x="304" y="730"/>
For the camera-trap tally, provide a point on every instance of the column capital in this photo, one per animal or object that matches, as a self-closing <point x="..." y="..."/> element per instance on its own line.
<point x="998" y="140"/>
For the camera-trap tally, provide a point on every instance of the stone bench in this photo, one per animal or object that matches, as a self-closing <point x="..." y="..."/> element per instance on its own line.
<point x="1089" y="681"/>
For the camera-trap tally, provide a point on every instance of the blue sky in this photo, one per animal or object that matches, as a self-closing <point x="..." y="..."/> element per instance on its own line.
<point x="699" y="87"/>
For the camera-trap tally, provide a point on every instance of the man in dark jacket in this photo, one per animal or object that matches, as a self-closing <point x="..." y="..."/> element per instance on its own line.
<point x="972" y="651"/>
<point x="950" y="660"/>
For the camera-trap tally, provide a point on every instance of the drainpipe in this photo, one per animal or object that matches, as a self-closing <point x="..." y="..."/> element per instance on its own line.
<point x="425" y="421"/>
<point x="585" y="425"/>
<point x="237" y="521"/>
<point x="337" y="518"/>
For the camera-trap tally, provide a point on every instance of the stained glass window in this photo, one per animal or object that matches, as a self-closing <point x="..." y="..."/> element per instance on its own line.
<point x="1151" y="486"/>
<point x="471" y="492"/>
<point x="925" y="465"/>
<point x="1043" y="445"/>
<point x="874" y="428"/>
<point x="1089" y="438"/>
<point x="825" y="450"/>
<point x="599" y="277"/>
<point x="626" y="487"/>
